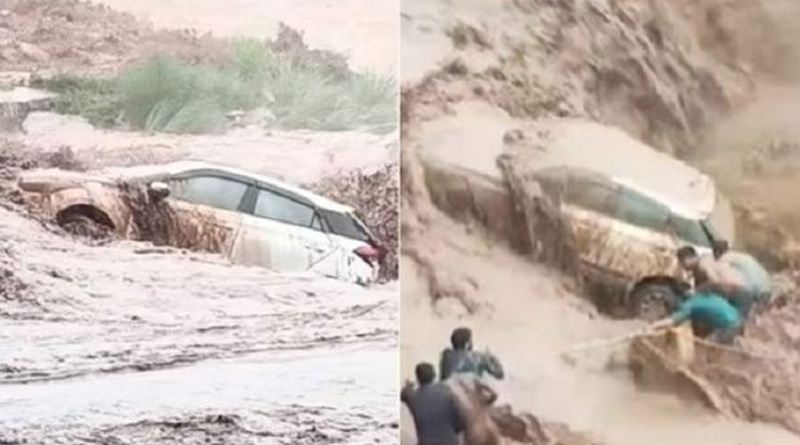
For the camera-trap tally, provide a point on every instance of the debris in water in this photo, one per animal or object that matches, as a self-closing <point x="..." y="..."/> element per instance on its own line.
<point x="375" y="197"/>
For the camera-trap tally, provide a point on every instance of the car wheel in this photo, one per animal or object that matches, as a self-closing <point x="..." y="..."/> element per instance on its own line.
<point x="82" y="225"/>
<point x="653" y="302"/>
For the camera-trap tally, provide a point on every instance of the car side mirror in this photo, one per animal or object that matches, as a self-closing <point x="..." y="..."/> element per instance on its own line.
<point x="158" y="191"/>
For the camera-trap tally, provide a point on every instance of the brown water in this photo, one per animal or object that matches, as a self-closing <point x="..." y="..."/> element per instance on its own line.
<point x="119" y="340"/>
<point x="533" y="319"/>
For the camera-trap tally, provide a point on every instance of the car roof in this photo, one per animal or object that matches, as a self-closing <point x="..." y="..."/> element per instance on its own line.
<point x="586" y="146"/>
<point x="176" y="168"/>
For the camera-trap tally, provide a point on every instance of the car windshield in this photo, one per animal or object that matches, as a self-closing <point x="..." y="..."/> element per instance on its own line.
<point x="346" y="225"/>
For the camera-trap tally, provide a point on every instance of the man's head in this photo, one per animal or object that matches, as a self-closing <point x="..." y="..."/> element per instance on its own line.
<point x="461" y="338"/>
<point x="720" y="247"/>
<point x="425" y="373"/>
<point x="687" y="256"/>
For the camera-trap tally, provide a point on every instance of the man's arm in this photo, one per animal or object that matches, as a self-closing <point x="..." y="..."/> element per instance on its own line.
<point x="492" y="365"/>
<point x="406" y="392"/>
<point x="683" y="313"/>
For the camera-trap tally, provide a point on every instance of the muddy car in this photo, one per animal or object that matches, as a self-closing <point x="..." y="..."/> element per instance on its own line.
<point x="629" y="208"/>
<point x="250" y="219"/>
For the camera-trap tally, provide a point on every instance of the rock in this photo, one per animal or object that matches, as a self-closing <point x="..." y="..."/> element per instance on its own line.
<point x="17" y="103"/>
<point x="33" y="52"/>
<point x="41" y="123"/>
<point x="11" y="79"/>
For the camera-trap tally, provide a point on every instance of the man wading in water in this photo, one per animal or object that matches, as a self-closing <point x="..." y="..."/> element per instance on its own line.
<point x="461" y="359"/>
<point x="437" y="417"/>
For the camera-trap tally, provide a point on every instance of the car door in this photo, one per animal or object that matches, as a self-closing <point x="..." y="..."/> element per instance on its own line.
<point x="207" y="205"/>
<point x="284" y="233"/>
<point x="649" y="243"/>
<point x="590" y="206"/>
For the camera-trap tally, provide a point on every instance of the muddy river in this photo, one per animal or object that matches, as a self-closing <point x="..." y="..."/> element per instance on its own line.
<point x="529" y="319"/>
<point x="340" y="383"/>
<point x="120" y="339"/>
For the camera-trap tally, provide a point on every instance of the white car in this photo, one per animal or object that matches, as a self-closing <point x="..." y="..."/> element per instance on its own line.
<point x="251" y="219"/>
<point x="629" y="207"/>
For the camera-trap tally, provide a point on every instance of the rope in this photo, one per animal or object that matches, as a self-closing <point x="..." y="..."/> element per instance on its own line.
<point x="609" y="342"/>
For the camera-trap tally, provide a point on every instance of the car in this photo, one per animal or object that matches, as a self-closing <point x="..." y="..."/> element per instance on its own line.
<point x="629" y="208"/>
<point x="251" y="219"/>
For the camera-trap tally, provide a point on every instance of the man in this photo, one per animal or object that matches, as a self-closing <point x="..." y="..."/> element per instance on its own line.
<point x="759" y="282"/>
<point x="462" y="359"/>
<point x="475" y="399"/>
<point x="718" y="277"/>
<point x="433" y="406"/>
<point x="714" y="315"/>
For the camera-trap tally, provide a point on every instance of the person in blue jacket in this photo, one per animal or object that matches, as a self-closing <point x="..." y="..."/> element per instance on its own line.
<point x="710" y="313"/>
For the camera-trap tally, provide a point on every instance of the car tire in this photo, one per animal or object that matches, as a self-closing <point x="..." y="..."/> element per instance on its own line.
<point x="653" y="302"/>
<point x="84" y="226"/>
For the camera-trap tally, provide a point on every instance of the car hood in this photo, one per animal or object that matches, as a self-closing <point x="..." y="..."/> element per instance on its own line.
<point x="51" y="180"/>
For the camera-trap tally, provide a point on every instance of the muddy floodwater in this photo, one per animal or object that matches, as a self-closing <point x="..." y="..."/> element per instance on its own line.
<point x="128" y="342"/>
<point x="337" y="390"/>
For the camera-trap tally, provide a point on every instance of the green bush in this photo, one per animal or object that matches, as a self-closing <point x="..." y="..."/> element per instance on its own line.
<point x="309" y="99"/>
<point x="166" y="94"/>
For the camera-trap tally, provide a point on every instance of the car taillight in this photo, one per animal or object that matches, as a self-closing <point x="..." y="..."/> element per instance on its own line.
<point x="369" y="254"/>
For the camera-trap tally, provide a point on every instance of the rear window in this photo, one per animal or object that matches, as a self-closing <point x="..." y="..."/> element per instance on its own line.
<point x="345" y="225"/>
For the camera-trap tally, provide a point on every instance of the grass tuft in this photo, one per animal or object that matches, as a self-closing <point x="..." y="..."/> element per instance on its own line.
<point x="165" y="94"/>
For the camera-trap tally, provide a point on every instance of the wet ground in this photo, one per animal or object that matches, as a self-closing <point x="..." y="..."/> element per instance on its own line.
<point x="123" y="340"/>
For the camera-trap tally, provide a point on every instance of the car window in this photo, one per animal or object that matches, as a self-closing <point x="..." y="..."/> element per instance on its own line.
<point x="345" y="225"/>
<point x="277" y="207"/>
<point x="641" y="211"/>
<point x="592" y="195"/>
<point x="213" y="191"/>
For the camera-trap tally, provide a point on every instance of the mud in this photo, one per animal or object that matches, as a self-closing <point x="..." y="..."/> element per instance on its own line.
<point x="157" y="222"/>
<point x="376" y="199"/>
<point x="97" y="319"/>
<point x="646" y="68"/>
<point x="302" y="157"/>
